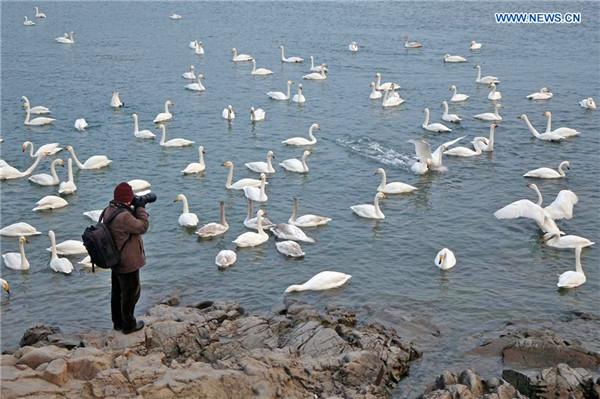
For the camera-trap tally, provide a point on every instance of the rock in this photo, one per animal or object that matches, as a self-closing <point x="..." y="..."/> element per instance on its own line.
<point x="86" y="363"/>
<point x="469" y="385"/>
<point x="56" y="372"/>
<point x="142" y="370"/>
<point x="37" y="333"/>
<point x="65" y="341"/>
<point x="472" y="381"/>
<point x="108" y="383"/>
<point x="37" y="356"/>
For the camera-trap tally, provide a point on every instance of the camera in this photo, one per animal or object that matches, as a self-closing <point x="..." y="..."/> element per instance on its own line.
<point x="142" y="200"/>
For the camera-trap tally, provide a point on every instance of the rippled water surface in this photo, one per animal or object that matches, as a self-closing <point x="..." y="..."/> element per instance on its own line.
<point x="503" y="271"/>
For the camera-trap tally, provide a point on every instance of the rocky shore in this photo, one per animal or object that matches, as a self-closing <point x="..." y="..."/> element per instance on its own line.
<point x="214" y="350"/>
<point x="218" y="350"/>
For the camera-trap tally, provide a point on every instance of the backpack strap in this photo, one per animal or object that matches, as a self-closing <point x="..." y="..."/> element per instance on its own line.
<point x="112" y="215"/>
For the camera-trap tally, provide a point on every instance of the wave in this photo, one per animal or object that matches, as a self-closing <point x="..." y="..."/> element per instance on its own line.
<point x="370" y="148"/>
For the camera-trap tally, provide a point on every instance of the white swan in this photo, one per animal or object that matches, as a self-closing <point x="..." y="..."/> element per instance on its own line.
<point x="394" y="187"/>
<point x="588" y="103"/>
<point x="39" y="121"/>
<point x="66" y="39"/>
<point x="62" y="265"/>
<point x="561" y="207"/>
<point x="86" y="262"/>
<point x="81" y="124"/>
<point x="39" y="14"/>
<point x="259" y="71"/>
<point x="68" y="187"/>
<point x="115" y="101"/>
<point x="316" y="75"/>
<point x="445" y="259"/>
<point x="556" y="240"/>
<point x="228" y="113"/>
<point x="225" y="258"/>
<point x="28" y="22"/>
<point x="449" y="117"/>
<point x="196" y="167"/>
<point x="8" y="172"/>
<point x="214" y="229"/>
<point x="277" y="95"/>
<point x="375" y="94"/>
<point x="572" y="279"/>
<point x="257" y="115"/>
<point x="262" y="167"/>
<point x="19" y="229"/>
<point x="426" y="157"/>
<point x="94" y="215"/>
<point x="164" y="116"/>
<point x="547" y="173"/>
<point x="353" y="47"/>
<point x="434" y="127"/>
<point x="321" y="281"/>
<point x="370" y="211"/>
<point x="141" y="134"/>
<point x="93" y="162"/>
<point x="186" y="219"/>
<point x="240" y="184"/>
<point x="306" y="220"/>
<point x="37" y="109"/>
<point x="548" y="136"/>
<point x="563" y="131"/>
<point x="494" y="95"/>
<point x="296" y="165"/>
<point x="291" y="60"/>
<point x="527" y="209"/>
<point x="255" y="193"/>
<point x="391" y="98"/>
<point x="490" y="116"/>
<point x="490" y="142"/>
<point x="198" y="49"/>
<point x="475" y="45"/>
<point x="240" y="57"/>
<point x="138" y="185"/>
<point x="196" y="86"/>
<point x="251" y="239"/>
<point x="485" y="79"/>
<point x="289" y="248"/>
<point x="50" y="202"/>
<point x="409" y="44"/>
<point x="285" y="231"/>
<point x="457" y="97"/>
<point x="190" y="74"/>
<point x="175" y="16"/>
<point x="317" y="68"/>
<point x="385" y="86"/>
<point x="68" y="247"/>
<point x="50" y="148"/>
<point x="299" y="98"/>
<point x="543" y="94"/>
<point x="467" y="152"/>
<point x="251" y="222"/>
<point x="51" y="179"/>
<point x="4" y="285"/>
<point x="178" y="142"/>
<point x="301" y="141"/>
<point x="454" y="58"/>
<point x="192" y="44"/>
<point x="17" y="260"/>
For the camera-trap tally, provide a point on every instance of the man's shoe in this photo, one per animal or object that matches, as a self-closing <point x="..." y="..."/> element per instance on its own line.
<point x="118" y="328"/>
<point x="138" y="326"/>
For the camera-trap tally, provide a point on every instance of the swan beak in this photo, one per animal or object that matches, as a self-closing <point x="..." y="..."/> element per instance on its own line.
<point x="568" y="167"/>
<point x="6" y="288"/>
<point x="529" y="185"/>
<point x="176" y="199"/>
<point x="25" y="240"/>
<point x="383" y="196"/>
<point x="224" y="164"/>
<point x="376" y="172"/>
<point x="543" y="240"/>
<point x="441" y="258"/>
<point x="62" y="164"/>
<point x="204" y="152"/>
<point x="428" y="163"/>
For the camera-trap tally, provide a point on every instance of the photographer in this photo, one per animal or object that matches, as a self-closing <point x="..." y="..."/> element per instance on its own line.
<point x="127" y="229"/>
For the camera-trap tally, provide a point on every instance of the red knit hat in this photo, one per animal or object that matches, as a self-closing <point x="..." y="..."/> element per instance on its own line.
<point x="123" y="193"/>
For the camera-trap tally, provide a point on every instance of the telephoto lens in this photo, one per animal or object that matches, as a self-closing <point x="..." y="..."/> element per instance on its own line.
<point x="142" y="200"/>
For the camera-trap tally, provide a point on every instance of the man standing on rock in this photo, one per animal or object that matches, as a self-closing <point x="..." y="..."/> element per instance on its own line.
<point x="127" y="229"/>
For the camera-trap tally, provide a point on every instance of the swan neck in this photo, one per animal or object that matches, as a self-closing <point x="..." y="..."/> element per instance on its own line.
<point x="163" y="137"/>
<point x="530" y="126"/>
<point x="282" y="54"/>
<point x="22" y="251"/>
<point x="312" y="62"/>
<point x="223" y="221"/>
<point x="28" y="115"/>
<point x="53" y="169"/>
<point x="294" y="212"/>
<point x="253" y="65"/>
<point x="135" y="124"/>
<point x="262" y="188"/>
<point x="311" y="134"/>
<point x="491" y="143"/>
<point x="478" y="149"/>
<point x="379" y="82"/>
<point x="478" y="74"/>
<point x="383" y="179"/>
<point x="289" y="90"/>
<point x="445" y="108"/>
<point x="269" y="165"/>
<point x="230" y="176"/>
<point x="560" y="169"/>
<point x="36" y="163"/>
<point x="295" y="287"/>
<point x="79" y="164"/>
<point x="53" y="245"/>
<point x="201" y="154"/>
<point x="549" y="123"/>
<point x="539" y="193"/>
<point x="426" y="118"/>
<point x="166" y="107"/>
<point x="578" y="267"/>
<point x="376" y="204"/>
<point x="186" y="208"/>
<point x="250" y="209"/>
<point x="304" y="165"/>
<point x="70" y="162"/>
<point x="30" y="145"/>
<point x="259" y="224"/>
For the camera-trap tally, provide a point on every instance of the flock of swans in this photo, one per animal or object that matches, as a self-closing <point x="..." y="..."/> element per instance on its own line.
<point x="290" y="234"/>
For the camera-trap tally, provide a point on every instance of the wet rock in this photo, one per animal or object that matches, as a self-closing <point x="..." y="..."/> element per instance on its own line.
<point x="469" y="385"/>
<point x="471" y="381"/>
<point x="38" y="333"/>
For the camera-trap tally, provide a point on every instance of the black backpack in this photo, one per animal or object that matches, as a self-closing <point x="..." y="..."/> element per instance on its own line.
<point x="100" y="245"/>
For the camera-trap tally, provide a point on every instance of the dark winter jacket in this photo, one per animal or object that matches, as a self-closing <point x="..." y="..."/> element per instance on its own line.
<point x="127" y="229"/>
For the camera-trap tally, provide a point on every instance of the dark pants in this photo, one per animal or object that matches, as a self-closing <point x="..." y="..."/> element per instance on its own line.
<point x="124" y="295"/>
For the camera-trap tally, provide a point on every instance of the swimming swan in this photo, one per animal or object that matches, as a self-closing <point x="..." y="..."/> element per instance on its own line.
<point x="394" y="187"/>
<point x="164" y="116"/>
<point x="485" y="79"/>
<point x="44" y="179"/>
<point x="370" y="211"/>
<point x="196" y="167"/>
<point x="93" y="162"/>
<point x="39" y="121"/>
<point x="81" y="124"/>
<point x="262" y="167"/>
<point x="251" y="222"/>
<point x="198" y="49"/>
<point x="259" y="71"/>
<point x="353" y="47"/>
<point x="409" y="44"/>
<point x="173" y="142"/>
<point x="306" y="220"/>
<point x="317" y="68"/>
<point x="296" y="165"/>
<point x="255" y="193"/>
<point x="190" y="74"/>
<point x="196" y="86"/>
<point x="62" y="265"/>
<point x="66" y="40"/>
<point x="547" y="173"/>
<point x="475" y="45"/>
<point x="572" y="279"/>
<point x="556" y="240"/>
<point x="240" y="57"/>
<point x="28" y="22"/>
<point x="548" y="136"/>
<point x="50" y="148"/>
<point x="490" y="142"/>
<point x="19" y="229"/>
<point x="240" y="184"/>
<point x="17" y="260"/>
<point x="299" y="98"/>
<point x="453" y="58"/>
<point x="251" y="239"/>
<point x="491" y="116"/>
<point x="186" y="219"/>
<point x="449" y="117"/>
<point x="289" y="248"/>
<point x="543" y="94"/>
<point x="8" y="172"/>
<point x="445" y="259"/>
<point x="68" y="187"/>
<point x="225" y="258"/>
<point x="321" y="281"/>
<point x="494" y="95"/>
<point x="457" y="97"/>
<point x="257" y="115"/>
<point x="141" y="134"/>
<point x="277" y="95"/>
<point x="37" y="109"/>
<point x="68" y="247"/>
<point x="375" y="94"/>
<point x="391" y="98"/>
<point x="115" y="101"/>
<point x="228" y="113"/>
<point x="39" y="14"/>
<point x="316" y="75"/>
<point x="385" y="86"/>
<point x="588" y="103"/>
<point x="289" y="59"/>
<point x="563" y="131"/>
<point x="301" y="141"/>
<point x="561" y="207"/>
<point x="434" y="127"/>
<point x="285" y="231"/>
<point x="467" y="152"/>
<point x="50" y="202"/>
<point x="214" y="229"/>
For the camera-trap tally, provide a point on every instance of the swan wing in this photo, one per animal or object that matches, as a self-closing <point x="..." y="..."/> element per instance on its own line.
<point x="225" y="258"/>
<point x="423" y="149"/>
<point x="61" y="265"/>
<point x="570" y="279"/>
<point x="289" y="248"/>
<point x="522" y="209"/>
<point x="19" y="229"/>
<point x="211" y="230"/>
<point x="562" y="206"/>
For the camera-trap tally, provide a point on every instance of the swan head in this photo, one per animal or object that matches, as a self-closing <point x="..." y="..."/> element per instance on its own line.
<point x="549" y="236"/>
<point x="160" y="126"/>
<point x="300" y="87"/>
<point x="547" y="113"/>
<point x="61" y="163"/>
<point x="316" y="126"/>
<point x="228" y="163"/>
<point x="498" y="106"/>
<point x="532" y="185"/>
<point x="372" y="84"/>
<point x="522" y="116"/>
<point x="567" y="164"/>
<point x="200" y="76"/>
<point x="230" y="108"/>
<point x="447" y="56"/>
<point x="380" y="195"/>
<point x="23" y="240"/>
<point x="5" y="287"/>
<point x="426" y="110"/>
<point x="377" y="75"/>
<point x="544" y="90"/>
<point x="494" y="125"/>
<point x="169" y="102"/>
<point x="134" y="116"/>
<point x="472" y="42"/>
<point x="279" y="46"/>
<point x="191" y="68"/>
<point x="379" y="171"/>
<point x="271" y="154"/>
<point x="263" y="176"/>
<point x="251" y="110"/>
<point x="306" y="153"/>
<point x="233" y="50"/>
<point x="260" y="213"/>
<point x="452" y="88"/>
<point x="289" y="82"/>
<point x="492" y="85"/>
<point x="69" y="148"/>
<point x="180" y="197"/>
<point x="201" y="149"/>
<point x="477" y="67"/>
